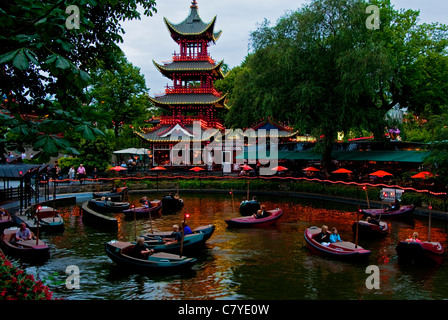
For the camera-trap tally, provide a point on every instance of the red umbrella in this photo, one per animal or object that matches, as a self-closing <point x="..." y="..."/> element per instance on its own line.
<point x="311" y="169"/>
<point x="246" y="167"/>
<point x="342" y="170"/>
<point x="380" y="173"/>
<point x="279" y="168"/>
<point x="117" y="168"/>
<point x="197" y="169"/>
<point x="423" y="175"/>
<point x="158" y="168"/>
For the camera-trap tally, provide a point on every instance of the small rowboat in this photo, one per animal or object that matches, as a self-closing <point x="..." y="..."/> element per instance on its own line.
<point x="117" y="194"/>
<point x="121" y="253"/>
<point x="6" y="221"/>
<point x="191" y="242"/>
<point x="105" y="206"/>
<point x="370" y="230"/>
<point x="252" y="222"/>
<point x="143" y="211"/>
<point x="248" y="208"/>
<point x="97" y="219"/>
<point x="420" y="252"/>
<point x="49" y="220"/>
<point x="171" y="204"/>
<point x="402" y="212"/>
<point x="26" y="249"/>
<point x="339" y="250"/>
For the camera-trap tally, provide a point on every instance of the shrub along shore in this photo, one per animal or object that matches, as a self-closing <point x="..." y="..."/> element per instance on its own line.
<point x="354" y="192"/>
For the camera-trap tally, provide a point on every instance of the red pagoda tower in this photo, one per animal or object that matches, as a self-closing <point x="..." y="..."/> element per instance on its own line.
<point x="192" y="97"/>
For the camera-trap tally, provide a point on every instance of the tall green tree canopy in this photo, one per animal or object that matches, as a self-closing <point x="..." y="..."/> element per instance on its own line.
<point x="119" y="95"/>
<point x="322" y="70"/>
<point x="45" y="64"/>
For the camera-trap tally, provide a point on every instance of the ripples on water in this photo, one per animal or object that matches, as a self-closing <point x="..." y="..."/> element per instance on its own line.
<point x="271" y="263"/>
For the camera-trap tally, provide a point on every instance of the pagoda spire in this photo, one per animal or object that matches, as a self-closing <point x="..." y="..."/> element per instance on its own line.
<point x="194" y="4"/>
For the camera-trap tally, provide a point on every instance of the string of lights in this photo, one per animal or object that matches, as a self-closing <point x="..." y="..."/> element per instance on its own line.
<point x="190" y="177"/>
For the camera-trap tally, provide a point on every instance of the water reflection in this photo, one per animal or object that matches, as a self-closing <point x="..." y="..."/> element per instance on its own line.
<point x="271" y="263"/>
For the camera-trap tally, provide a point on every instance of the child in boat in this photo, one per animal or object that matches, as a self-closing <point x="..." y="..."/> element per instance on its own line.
<point x="262" y="213"/>
<point x="176" y="236"/>
<point x="395" y="206"/>
<point x="373" y="220"/>
<point x="145" y="202"/>
<point x="334" y="237"/>
<point x="414" y="238"/>
<point x="324" y="236"/>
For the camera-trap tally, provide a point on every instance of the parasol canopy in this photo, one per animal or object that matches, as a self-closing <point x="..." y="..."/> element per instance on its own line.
<point x="197" y="169"/>
<point x="380" y="173"/>
<point x="423" y="175"/>
<point x="132" y="151"/>
<point x="158" y="168"/>
<point x="279" y="168"/>
<point x="246" y="167"/>
<point x="342" y="170"/>
<point x="117" y="168"/>
<point x="311" y="169"/>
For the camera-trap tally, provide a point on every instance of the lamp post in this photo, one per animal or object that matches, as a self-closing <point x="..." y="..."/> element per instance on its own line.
<point x="367" y="196"/>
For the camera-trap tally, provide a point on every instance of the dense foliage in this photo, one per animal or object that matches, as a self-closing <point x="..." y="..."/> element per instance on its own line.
<point x="323" y="71"/>
<point x="45" y="65"/>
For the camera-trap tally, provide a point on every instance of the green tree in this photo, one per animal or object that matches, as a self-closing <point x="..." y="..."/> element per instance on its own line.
<point x="120" y="95"/>
<point x="321" y="69"/>
<point x="45" y="65"/>
<point x="96" y="154"/>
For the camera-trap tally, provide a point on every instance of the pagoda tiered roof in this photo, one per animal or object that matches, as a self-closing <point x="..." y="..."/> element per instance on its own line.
<point x="283" y="130"/>
<point x="178" y="128"/>
<point x="191" y="99"/>
<point x="194" y="68"/>
<point x="193" y="27"/>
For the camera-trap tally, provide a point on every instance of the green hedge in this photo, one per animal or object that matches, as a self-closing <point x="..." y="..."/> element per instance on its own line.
<point x="272" y="185"/>
<point x="316" y="187"/>
<point x="423" y="199"/>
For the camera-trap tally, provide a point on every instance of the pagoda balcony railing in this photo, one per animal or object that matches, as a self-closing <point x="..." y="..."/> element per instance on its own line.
<point x="189" y="120"/>
<point x="183" y="90"/>
<point x="193" y="57"/>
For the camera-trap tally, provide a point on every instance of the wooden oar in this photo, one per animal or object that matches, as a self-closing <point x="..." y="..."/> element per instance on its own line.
<point x="150" y="216"/>
<point x="37" y="230"/>
<point x="233" y="204"/>
<point x="429" y="223"/>
<point x="186" y="215"/>
<point x="357" y="226"/>
<point x="135" y="223"/>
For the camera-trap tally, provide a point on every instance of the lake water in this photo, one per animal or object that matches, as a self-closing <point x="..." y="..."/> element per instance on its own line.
<point x="266" y="264"/>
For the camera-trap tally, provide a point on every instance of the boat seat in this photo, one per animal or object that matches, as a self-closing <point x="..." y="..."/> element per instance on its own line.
<point x="127" y="250"/>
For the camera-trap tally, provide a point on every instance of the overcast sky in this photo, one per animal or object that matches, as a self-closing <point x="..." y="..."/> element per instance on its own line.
<point x="148" y="39"/>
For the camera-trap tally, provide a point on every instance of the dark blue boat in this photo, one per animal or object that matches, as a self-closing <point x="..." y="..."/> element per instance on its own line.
<point x="121" y="253"/>
<point x="107" y="206"/>
<point x="192" y="242"/>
